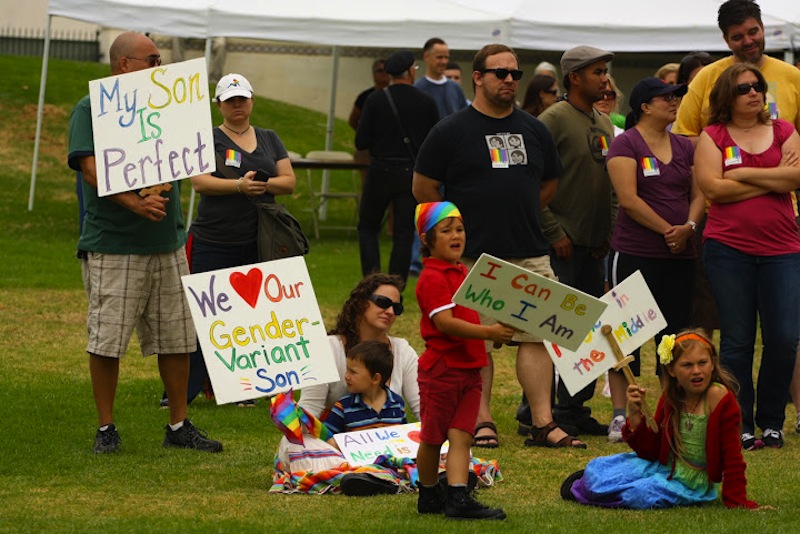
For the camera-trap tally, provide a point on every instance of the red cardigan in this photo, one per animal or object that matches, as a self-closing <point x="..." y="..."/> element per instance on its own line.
<point x="724" y="461"/>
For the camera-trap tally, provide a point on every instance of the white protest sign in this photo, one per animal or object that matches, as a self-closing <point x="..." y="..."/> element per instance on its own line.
<point x="152" y="126"/>
<point x="260" y="329"/>
<point x="529" y="302"/>
<point x="363" y="446"/>
<point x="634" y="317"/>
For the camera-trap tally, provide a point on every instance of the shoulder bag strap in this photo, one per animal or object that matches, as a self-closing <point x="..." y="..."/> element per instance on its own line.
<point x="406" y="138"/>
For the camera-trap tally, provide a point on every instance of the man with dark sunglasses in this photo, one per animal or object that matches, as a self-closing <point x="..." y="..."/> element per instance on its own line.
<point x="578" y="221"/>
<point x="500" y="198"/>
<point x="133" y="255"/>
<point x="743" y="32"/>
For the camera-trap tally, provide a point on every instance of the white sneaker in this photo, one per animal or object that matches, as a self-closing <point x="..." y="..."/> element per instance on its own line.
<point x="615" y="429"/>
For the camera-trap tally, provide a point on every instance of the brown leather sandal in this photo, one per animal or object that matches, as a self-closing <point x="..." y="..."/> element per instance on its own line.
<point x="487" y="441"/>
<point x="538" y="438"/>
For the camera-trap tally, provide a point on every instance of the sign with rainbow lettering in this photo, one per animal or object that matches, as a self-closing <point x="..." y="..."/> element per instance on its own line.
<point x="634" y="317"/>
<point x="152" y="126"/>
<point x="529" y="302"/>
<point x="260" y="329"/>
<point x="363" y="446"/>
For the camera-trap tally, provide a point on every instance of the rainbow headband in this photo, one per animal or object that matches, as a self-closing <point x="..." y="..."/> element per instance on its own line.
<point x="668" y="342"/>
<point x="429" y="214"/>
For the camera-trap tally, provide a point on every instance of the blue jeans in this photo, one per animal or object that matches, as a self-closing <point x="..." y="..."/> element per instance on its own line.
<point x="769" y="286"/>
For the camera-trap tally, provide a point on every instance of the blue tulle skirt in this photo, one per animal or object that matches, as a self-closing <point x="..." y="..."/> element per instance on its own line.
<point x="627" y="481"/>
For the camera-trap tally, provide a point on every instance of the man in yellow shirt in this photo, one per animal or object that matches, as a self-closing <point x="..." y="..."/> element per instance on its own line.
<point x="743" y="31"/>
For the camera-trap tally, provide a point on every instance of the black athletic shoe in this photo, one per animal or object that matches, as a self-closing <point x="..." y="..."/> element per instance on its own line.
<point x="431" y="500"/>
<point x="472" y="481"/>
<point x="107" y="441"/>
<point x="566" y="487"/>
<point x="460" y="504"/>
<point x="365" y="485"/>
<point x="190" y="437"/>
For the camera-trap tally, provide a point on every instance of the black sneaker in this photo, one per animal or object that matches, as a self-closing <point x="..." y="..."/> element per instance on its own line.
<point x="472" y="481"/>
<point x="431" y="500"/>
<point x="365" y="485"/>
<point x="566" y="487"/>
<point x="460" y="504"/>
<point x="190" y="437"/>
<point x="107" y="441"/>
<point x="772" y="438"/>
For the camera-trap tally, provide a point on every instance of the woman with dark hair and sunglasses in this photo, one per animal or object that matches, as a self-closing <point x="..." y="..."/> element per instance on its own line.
<point x="747" y="165"/>
<point x="368" y="314"/>
<point x="651" y="170"/>
<point x="542" y="93"/>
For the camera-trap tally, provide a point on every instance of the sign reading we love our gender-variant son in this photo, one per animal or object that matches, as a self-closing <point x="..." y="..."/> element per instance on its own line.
<point x="260" y="329"/>
<point x="152" y="126"/>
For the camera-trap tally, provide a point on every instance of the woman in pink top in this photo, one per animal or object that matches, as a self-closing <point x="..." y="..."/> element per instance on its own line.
<point x="746" y="164"/>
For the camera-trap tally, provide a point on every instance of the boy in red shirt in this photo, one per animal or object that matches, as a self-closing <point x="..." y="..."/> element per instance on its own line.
<point x="449" y="369"/>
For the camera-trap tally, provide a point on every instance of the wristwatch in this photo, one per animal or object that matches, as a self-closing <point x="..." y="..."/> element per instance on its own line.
<point x="692" y="224"/>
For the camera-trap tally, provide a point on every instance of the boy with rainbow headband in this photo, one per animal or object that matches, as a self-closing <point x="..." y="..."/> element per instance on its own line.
<point x="449" y="369"/>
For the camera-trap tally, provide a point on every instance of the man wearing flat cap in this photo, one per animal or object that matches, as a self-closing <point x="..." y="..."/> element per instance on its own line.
<point x="393" y="124"/>
<point x="578" y="222"/>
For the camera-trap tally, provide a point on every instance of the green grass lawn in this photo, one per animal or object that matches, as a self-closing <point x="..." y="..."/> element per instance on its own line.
<point x="49" y="478"/>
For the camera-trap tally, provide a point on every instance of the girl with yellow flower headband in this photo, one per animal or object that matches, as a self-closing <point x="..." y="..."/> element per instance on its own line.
<point x="695" y="448"/>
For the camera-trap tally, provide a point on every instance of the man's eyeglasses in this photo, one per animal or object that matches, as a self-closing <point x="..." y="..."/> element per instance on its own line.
<point x="384" y="303"/>
<point x="152" y="60"/>
<point x="744" y="88"/>
<point x="502" y="74"/>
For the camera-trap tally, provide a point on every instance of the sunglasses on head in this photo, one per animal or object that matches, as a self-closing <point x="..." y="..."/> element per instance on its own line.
<point x="744" y="88"/>
<point x="384" y="303"/>
<point x="502" y="74"/>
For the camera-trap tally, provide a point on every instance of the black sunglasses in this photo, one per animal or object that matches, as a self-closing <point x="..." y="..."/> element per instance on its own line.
<point x="151" y="60"/>
<point x="501" y="74"/>
<point x="553" y="92"/>
<point x="744" y="88"/>
<point x="384" y="303"/>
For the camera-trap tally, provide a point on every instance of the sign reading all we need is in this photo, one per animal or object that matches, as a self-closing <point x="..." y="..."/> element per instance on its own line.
<point x="529" y="302"/>
<point x="152" y="126"/>
<point x="260" y="329"/>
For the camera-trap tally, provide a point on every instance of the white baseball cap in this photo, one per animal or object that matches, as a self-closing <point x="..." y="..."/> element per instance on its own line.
<point x="232" y="85"/>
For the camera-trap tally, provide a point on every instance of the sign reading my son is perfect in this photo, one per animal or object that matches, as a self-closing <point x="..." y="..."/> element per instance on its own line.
<point x="529" y="302"/>
<point x="260" y="329"/>
<point x="634" y="318"/>
<point x="152" y="126"/>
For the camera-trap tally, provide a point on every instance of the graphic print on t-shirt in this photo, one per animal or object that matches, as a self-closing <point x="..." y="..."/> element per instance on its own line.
<point x="650" y="167"/>
<point x="506" y="149"/>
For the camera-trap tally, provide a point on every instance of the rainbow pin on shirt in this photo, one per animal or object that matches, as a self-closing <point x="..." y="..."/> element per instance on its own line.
<point x="650" y="167"/>
<point x="233" y="158"/>
<point x="733" y="156"/>
<point x="499" y="158"/>
<point x="603" y="144"/>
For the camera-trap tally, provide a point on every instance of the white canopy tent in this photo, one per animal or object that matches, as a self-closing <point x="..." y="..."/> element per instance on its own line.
<point x="617" y="25"/>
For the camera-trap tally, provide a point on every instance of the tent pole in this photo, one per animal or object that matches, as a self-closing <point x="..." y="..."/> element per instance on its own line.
<point x="40" y="111"/>
<point x="192" y="195"/>
<point x="326" y="174"/>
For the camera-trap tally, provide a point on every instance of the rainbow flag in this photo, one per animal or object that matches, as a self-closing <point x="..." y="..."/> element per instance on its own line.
<point x="499" y="155"/>
<point x="603" y="144"/>
<point x="649" y="164"/>
<point x="291" y="418"/>
<point x="733" y="155"/>
<point x="772" y="107"/>
<point x="233" y="158"/>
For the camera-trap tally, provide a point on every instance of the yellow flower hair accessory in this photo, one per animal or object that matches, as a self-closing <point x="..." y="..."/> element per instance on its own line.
<point x="665" y="349"/>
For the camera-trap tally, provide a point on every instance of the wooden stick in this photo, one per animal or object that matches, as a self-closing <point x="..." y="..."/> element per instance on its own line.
<point x="623" y="363"/>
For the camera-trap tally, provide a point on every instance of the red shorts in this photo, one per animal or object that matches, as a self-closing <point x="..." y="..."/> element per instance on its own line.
<point x="449" y="398"/>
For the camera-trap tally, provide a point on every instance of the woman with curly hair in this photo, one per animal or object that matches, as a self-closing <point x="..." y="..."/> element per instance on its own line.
<point x="368" y="315"/>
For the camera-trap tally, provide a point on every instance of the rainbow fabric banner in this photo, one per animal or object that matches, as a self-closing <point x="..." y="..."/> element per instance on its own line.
<point x="291" y="418"/>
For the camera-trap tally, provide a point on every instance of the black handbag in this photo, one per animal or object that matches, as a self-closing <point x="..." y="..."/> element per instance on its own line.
<point x="279" y="232"/>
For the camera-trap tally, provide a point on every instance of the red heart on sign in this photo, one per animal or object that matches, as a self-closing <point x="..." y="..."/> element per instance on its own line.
<point x="248" y="285"/>
<point x="414" y="436"/>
